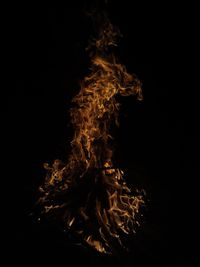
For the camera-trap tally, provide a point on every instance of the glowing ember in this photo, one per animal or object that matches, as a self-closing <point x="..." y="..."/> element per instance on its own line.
<point x="88" y="192"/>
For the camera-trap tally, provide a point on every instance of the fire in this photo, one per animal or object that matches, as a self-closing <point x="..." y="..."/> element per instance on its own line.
<point x="88" y="192"/>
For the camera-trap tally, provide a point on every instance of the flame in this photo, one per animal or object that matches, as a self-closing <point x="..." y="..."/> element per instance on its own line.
<point x="88" y="192"/>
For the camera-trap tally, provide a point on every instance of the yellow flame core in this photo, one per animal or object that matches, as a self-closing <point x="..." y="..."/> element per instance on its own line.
<point x="89" y="193"/>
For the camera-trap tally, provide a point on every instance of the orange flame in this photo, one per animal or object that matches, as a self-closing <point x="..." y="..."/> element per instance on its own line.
<point x="88" y="193"/>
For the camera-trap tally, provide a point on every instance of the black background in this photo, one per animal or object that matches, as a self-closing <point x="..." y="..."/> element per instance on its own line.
<point x="157" y="142"/>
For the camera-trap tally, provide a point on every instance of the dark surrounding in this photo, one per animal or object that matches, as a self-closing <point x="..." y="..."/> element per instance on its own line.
<point x="157" y="142"/>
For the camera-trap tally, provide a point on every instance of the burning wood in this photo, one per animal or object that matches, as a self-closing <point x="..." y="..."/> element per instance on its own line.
<point x="88" y="193"/>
